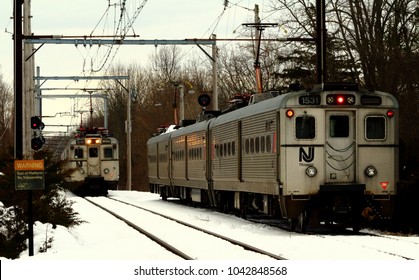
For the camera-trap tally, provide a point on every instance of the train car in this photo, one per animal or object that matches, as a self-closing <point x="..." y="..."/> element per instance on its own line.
<point x="159" y="164"/>
<point x="189" y="162"/>
<point x="92" y="158"/>
<point x="328" y="155"/>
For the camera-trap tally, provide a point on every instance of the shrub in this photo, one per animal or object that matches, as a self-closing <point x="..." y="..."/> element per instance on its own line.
<point x="50" y="204"/>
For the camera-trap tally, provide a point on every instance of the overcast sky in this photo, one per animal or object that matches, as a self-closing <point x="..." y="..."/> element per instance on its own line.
<point x="158" y="19"/>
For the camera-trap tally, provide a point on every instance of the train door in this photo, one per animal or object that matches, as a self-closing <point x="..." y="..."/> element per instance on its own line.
<point x="340" y="147"/>
<point x="93" y="162"/>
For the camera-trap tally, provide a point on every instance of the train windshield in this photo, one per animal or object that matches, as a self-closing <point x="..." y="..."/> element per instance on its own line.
<point x="339" y="126"/>
<point x="375" y="127"/>
<point x="108" y="152"/>
<point x="78" y="153"/>
<point x="305" y="127"/>
<point x="93" y="152"/>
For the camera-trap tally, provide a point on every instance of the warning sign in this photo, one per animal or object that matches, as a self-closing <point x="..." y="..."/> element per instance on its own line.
<point x="29" y="175"/>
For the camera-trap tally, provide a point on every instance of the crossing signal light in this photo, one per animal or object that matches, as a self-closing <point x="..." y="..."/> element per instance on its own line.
<point x="36" y="123"/>
<point x="37" y="143"/>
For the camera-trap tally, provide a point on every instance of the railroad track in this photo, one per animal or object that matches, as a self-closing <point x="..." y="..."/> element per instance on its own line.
<point x="402" y="247"/>
<point x="208" y="243"/>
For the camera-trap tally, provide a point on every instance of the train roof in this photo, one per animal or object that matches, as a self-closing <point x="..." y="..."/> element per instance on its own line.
<point x="262" y="106"/>
<point x="291" y="99"/>
<point x="200" y="126"/>
<point x="275" y="103"/>
<point x="159" y="138"/>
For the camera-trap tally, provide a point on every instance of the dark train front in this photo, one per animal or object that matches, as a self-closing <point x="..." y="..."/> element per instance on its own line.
<point x="93" y="161"/>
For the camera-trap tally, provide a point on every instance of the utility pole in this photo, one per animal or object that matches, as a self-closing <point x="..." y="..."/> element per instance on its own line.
<point x="259" y="27"/>
<point x="181" y="103"/>
<point x="28" y="82"/>
<point x="18" y="78"/>
<point x="129" y="129"/>
<point x="258" y="34"/>
<point x="214" y="73"/>
<point x="321" y="40"/>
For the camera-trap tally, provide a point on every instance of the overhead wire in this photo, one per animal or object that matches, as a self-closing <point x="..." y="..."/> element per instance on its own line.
<point x="121" y="29"/>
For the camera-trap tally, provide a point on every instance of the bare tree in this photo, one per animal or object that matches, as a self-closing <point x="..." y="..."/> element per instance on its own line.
<point x="165" y="63"/>
<point x="376" y="42"/>
<point x="6" y="115"/>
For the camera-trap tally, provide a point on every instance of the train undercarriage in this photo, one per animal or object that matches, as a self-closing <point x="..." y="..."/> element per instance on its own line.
<point x="92" y="186"/>
<point x="328" y="209"/>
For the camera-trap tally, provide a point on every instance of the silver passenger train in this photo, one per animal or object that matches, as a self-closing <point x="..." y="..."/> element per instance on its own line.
<point x="323" y="156"/>
<point x="93" y="161"/>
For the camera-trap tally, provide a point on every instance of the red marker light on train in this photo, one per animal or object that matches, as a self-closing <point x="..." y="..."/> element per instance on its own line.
<point x="290" y="113"/>
<point x="340" y="100"/>
<point x="390" y="113"/>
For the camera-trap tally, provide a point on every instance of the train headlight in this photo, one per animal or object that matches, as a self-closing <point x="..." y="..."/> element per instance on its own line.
<point x="370" y="171"/>
<point x="106" y="170"/>
<point x="311" y="171"/>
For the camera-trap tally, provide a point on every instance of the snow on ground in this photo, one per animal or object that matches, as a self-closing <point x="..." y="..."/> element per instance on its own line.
<point x="103" y="238"/>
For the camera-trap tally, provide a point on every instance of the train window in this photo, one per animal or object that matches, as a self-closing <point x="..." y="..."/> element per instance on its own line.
<point x="247" y="145"/>
<point x="78" y="153"/>
<point x="233" y="148"/>
<point x="268" y="143"/>
<point x="108" y="152"/>
<point x="305" y="127"/>
<point x="93" y="152"/>
<point x="339" y="126"/>
<point x="252" y="145"/>
<point x="375" y="128"/>
<point x="229" y="148"/>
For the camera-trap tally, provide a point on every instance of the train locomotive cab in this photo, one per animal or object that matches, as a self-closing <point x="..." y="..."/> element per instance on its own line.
<point x="339" y="151"/>
<point x="93" y="159"/>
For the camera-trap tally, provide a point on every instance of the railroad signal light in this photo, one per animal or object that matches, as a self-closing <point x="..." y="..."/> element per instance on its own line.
<point x="36" y="123"/>
<point x="204" y="100"/>
<point x="37" y="143"/>
<point x="38" y="140"/>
